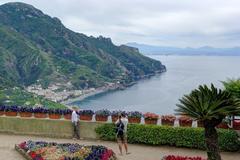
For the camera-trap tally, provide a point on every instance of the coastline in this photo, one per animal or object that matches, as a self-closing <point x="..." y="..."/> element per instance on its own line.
<point x="105" y="89"/>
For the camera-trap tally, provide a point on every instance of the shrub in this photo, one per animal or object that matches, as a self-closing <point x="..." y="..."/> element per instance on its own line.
<point x="117" y="113"/>
<point x="168" y="118"/>
<point x="66" y="111"/>
<point x="2" y="108"/>
<point x="173" y="136"/>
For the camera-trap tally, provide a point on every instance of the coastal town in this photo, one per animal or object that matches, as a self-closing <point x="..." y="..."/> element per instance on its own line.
<point x="60" y="93"/>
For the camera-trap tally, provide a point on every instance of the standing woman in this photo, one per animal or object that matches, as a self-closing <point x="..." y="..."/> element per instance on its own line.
<point x="121" y="132"/>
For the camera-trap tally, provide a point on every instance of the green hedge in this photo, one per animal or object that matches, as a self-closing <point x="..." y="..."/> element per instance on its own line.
<point x="173" y="136"/>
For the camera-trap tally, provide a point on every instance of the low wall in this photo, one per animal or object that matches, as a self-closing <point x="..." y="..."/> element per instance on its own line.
<point x="46" y="127"/>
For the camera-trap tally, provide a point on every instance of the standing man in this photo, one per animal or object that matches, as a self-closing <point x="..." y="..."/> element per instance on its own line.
<point x="75" y="122"/>
<point x="121" y="124"/>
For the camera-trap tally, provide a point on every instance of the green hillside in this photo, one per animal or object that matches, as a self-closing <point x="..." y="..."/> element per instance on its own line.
<point x="36" y="48"/>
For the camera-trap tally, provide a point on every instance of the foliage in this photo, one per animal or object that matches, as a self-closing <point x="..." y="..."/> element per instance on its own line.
<point x="168" y="117"/>
<point x="66" y="111"/>
<point x="151" y="116"/>
<point x="11" y="108"/>
<point x="26" y="109"/>
<point x="40" y="49"/>
<point x="208" y="104"/>
<point x="55" y="111"/>
<point x="117" y="113"/>
<point x="173" y="136"/>
<point x="103" y="112"/>
<point x="233" y="86"/>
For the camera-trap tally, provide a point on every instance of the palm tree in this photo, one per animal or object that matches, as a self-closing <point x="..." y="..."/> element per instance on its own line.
<point x="211" y="106"/>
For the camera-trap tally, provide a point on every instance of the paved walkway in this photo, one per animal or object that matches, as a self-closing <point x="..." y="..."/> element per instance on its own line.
<point x="138" y="152"/>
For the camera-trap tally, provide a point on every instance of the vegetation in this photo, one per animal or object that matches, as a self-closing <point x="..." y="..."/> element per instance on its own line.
<point x="211" y="106"/>
<point x="173" y="136"/>
<point x="19" y="97"/>
<point x="36" y="48"/>
<point x="233" y="86"/>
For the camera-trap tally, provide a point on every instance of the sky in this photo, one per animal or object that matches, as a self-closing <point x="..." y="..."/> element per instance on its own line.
<point x="179" y="23"/>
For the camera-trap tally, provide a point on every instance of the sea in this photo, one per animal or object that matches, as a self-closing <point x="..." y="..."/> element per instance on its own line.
<point x="161" y="93"/>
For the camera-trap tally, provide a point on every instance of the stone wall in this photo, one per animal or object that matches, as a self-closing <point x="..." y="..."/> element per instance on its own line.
<point x="46" y="127"/>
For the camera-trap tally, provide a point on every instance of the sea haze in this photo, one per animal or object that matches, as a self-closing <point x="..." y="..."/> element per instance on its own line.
<point x="160" y="93"/>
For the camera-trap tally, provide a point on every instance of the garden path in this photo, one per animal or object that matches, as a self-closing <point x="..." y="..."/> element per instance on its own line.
<point x="138" y="152"/>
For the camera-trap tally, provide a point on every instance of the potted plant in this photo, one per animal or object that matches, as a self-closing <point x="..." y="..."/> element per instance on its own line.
<point x="102" y="115"/>
<point x="25" y="112"/>
<point x="134" y="117"/>
<point x="40" y="112"/>
<point x="150" y="118"/>
<point x="54" y="113"/>
<point x="224" y="123"/>
<point x="86" y="115"/>
<point x="236" y="124"/>
<point x="11" y="111"/>
<point x="185" y="121"/>
<point x="2" y="109"/>
<point x="168" y="120"/>
<point x="67" y="113"/>
<point x="115" y="114"/>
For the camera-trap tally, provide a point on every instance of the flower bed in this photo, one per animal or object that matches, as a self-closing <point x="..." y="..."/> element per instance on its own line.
<point x="25" y="112"/>
<point x="134" y="117"/>
<point x="67" y="113"/>
<point x="150" y="118"/>
<point x="168" y="120"/>
<point x="11" y="111"/>
<point x="55" y="113"/>
<point x="86" y="115"/>
<point x="2" y="108"/>
<point x="66" y="151"/>
<point x="185" y="121"/>
<point x="102" y="115"/>
<point x="173" y="157"/>
<point x="115" y="114"/>
<point x="40" y="112"/>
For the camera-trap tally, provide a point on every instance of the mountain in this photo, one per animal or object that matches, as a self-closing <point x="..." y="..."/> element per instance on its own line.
<point x="38" y="49"/>
<point x="206" y="50"/>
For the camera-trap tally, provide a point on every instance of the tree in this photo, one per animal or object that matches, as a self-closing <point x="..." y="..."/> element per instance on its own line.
<point x="233" y="86"/>
<point x="211" y="106"/>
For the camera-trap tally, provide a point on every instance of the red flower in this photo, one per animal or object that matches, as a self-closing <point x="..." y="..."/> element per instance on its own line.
<point x="32" y="154"/>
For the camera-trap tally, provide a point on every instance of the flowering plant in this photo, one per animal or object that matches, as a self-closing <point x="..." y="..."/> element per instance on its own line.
<point x="185" y="119"/>
<point x="103" y="112"/>
<point x="26" y="109"/>
<point x="66" y="111"/>
<point x="66" y="151"/>
<point x="151" y="116"/>
<point x="86" y="112"/>
<point x="11" y="109"/>
<point x="40" y="110"/>
<point x="55" y="111"/>
<point x="168" y="118"/>
<point x="2" y="108"/>
<point x="117" y="113"/>
<point x="172" y="157"/>
<point x="135" y="114"/>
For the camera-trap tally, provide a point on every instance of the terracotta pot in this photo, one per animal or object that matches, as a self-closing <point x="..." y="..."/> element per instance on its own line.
<point x="150" y="121"/>
<point x="101" y="118"/>
<point x="167" y="122"/>
<point x="40" y="115"/>
<point x="114" y="118"/>
<point x="54" y="116"/>
<point x="199" y="123"/>
<point x="236" y="124"/>
<point x="86" y="117"/>
<point x="134" y="120"/>
<point x="185" y="123"/>
<point x="67" y="116"/>
<point x="1" y="113"/>
<point x="25" y="114"/>
<point x="223" y="125"/>
<point x="11" y="114"/>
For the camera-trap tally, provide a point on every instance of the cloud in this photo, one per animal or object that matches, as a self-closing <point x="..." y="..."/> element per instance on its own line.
<point x="159" y="22"/>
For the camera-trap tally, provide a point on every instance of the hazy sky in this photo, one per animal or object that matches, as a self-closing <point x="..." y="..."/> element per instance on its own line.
<point x="180" y="23"/>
